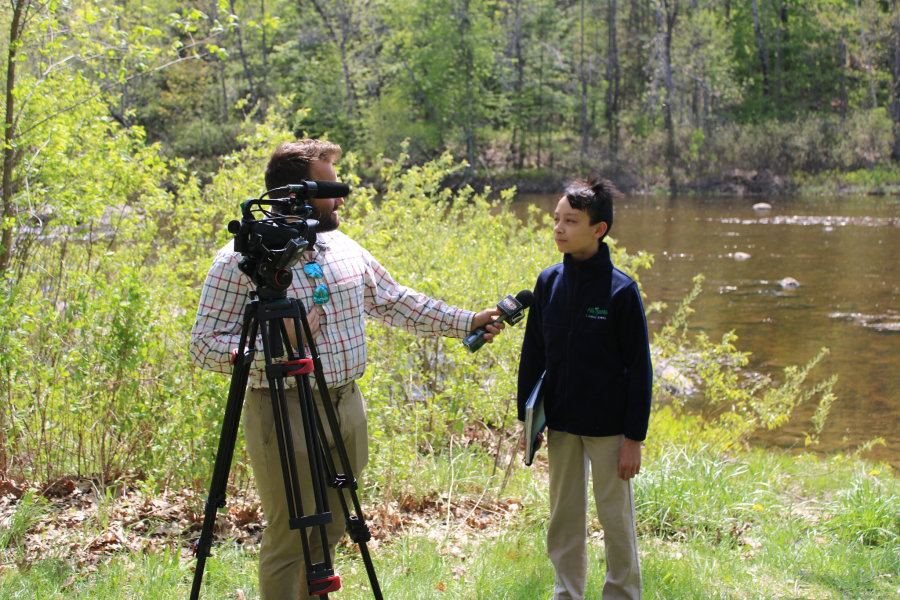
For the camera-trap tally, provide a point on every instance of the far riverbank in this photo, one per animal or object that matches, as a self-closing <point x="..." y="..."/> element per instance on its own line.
<point x="730" y="183"/>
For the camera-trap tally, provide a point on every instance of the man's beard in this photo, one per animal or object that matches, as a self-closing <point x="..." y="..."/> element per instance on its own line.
<point x="327" y="222"/>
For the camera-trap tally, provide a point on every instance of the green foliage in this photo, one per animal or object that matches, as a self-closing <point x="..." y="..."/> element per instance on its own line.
<point x="95" y="320"/>
<point x="880" y="180"/>
<point x="704" y="397"/>
<point x="513" y="88"/>
<point x="422" y="391"/>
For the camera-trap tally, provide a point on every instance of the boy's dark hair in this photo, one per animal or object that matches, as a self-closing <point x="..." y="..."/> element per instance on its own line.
<point x="290" y="161"/>
<point x="594" y="196"/>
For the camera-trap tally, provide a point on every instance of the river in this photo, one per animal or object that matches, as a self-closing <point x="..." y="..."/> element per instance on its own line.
<point x="845" y="254"/>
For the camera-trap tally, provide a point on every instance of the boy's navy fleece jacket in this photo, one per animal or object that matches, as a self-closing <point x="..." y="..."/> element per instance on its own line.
<point x="587" y="329"/>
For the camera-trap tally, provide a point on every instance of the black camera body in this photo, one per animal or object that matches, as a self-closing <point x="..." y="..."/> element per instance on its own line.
<point x="271" y="236"/>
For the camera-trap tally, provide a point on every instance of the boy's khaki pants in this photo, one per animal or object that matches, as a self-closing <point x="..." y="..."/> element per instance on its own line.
<point x="570" y="457"/>
<point x="281" y="554"/>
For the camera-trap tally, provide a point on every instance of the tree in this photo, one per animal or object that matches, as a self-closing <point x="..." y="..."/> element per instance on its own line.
<point x="666" y="17"/>
<point x="20" y="18"/>
<point x="339" y="22"/>
<point x="761" y="42"/>
<point x="612" y="77"/>
<point x="76" y="56"/>
<point x="895" y="78"/>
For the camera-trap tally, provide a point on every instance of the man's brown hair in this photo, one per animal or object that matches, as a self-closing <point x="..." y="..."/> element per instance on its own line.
<point x="290" y="161"/>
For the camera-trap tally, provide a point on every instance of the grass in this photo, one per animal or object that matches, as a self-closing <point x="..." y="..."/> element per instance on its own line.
<point x="753" y="525"/>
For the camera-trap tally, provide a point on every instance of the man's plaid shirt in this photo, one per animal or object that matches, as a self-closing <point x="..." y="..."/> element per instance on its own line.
<point x="358" y="285"/>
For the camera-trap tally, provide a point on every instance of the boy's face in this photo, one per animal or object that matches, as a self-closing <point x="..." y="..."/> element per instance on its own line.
<point x="574" y="233"/>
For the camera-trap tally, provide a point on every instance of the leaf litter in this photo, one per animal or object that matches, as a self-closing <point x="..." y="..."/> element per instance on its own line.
<point x="73" y="520"/>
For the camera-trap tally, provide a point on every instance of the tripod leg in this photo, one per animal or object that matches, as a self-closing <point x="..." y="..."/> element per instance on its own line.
<point x="355" y="523"/>
<point x="225" y="452"/>
<point x="320" y="576"/>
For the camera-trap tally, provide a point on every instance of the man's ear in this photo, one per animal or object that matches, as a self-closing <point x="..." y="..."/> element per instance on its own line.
<point x="601" y="229"/>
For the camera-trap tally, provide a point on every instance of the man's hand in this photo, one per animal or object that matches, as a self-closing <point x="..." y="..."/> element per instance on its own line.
<point x="629" y="459"/>
<point x="314" y="326"/>
<point x="486" y="319"/>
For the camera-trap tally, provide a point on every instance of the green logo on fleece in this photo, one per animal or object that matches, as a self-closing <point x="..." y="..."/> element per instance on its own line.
<point x="596" y="312"/>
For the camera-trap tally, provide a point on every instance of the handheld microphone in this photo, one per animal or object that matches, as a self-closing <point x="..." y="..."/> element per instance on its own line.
<point x="513" y="310"/>
<point x="319" y="189"/>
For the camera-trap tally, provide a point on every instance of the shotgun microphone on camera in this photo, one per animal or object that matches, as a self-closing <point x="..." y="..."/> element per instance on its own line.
<point x="513" y="310"/>
<point x="319" y="189"/>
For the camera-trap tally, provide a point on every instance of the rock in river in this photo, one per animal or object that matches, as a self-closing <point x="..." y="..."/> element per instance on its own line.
<point x="789" y="283"/>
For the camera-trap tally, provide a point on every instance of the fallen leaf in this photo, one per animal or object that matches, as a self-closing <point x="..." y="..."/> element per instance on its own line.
<point x="8" y="487"/>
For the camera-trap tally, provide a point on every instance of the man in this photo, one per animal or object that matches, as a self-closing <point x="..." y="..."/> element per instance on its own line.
<point x="339" y="283"/>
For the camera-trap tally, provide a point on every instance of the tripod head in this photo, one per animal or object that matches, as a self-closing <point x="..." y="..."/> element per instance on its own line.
<point x="273" y="233"/>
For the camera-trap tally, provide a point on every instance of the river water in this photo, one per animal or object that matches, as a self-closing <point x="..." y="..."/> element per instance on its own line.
<point x="845" y="254"/>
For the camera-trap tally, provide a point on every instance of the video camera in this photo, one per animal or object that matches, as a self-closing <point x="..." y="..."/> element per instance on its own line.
<point x="272" y="239"/>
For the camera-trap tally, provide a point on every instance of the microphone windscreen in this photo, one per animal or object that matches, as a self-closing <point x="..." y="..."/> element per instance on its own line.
<point x="331" y="189"/>
<point x="525" y="298"/>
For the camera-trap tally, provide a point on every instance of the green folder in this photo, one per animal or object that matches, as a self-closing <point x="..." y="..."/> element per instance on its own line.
<point x="535" y="421"/>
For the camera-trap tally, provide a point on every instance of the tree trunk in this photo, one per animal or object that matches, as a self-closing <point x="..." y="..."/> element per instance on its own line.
<point x="540" y="107"/>
<point x="9" y="135"/>
<point x="9" y="158"/>
<point x="584" y="84"/>
<point x="782" y="11"/>
<point x="761" y="42"/>
<point x="865" y="49"/>
<point x="671" y="15"/>
<point x="518" y="145"/>
<point x="345" y="21"/>
<point x="895" y="82"/>
<point x="637" y="27"/>
<point x="240" y="46"/>
<point x="612" y="80"/>
<point x="842" y="53"/>
<point x="264" y="89"/>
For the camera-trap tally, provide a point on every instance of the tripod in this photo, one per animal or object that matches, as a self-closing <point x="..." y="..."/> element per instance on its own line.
<point x="265" y="315"/>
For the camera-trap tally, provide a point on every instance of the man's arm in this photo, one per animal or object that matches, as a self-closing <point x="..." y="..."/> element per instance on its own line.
<point x="400" y="306"/>
<point x="220" y="313"/>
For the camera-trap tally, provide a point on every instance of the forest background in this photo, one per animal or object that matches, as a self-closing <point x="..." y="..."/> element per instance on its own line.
<point x="134" y="129"/>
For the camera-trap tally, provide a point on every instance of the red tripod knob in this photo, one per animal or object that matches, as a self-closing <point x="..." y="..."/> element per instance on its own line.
<point x="305" y="364"/>
<point x="325" y="586"/>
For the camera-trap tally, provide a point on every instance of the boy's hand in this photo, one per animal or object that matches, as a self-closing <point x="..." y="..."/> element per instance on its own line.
<point x="485" y="319"/>
<point x="629" y="459"/>
<point x="540" y="442"/>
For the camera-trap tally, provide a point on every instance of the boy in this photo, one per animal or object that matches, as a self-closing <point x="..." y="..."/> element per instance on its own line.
<point x="587" y="330"/>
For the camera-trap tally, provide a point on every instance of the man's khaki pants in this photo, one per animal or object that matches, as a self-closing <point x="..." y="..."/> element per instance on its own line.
<point x="281" y="553"/>
<point x="570" y="457"/>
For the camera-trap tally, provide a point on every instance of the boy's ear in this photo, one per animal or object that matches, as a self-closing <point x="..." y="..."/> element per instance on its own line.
<point x="601" y="229"/>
